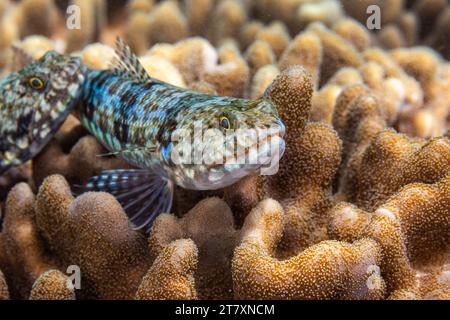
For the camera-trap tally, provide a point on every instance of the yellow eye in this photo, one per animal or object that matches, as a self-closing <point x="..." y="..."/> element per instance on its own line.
<point x="225" y="123"/>
<point x="36" y="83"/>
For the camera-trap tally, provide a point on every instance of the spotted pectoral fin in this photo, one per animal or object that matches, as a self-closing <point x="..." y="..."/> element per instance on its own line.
<point x="143" y="194"/>
<point x="127" y="64"/>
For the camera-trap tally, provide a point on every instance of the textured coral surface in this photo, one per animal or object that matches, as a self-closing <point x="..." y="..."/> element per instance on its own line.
<point x="359" y="208"/>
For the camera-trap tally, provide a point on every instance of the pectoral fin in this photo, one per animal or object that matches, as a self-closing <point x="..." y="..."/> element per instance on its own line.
<point x="143" y="194"/>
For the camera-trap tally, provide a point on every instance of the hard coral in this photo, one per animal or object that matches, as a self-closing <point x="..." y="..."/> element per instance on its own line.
<point x="92" y="21"/>
<point x="435" y="285"/>
<point x="135" y="33"/>
<point x="92" y="233"/>
<point x="307" y="203"/>
<point x="325" y="11"/>
<point x="411" y="228"/>
<point x="231" y="76"/>
<point x="210" y="225"/>
<point x="291" y="92"/>
<point x="284" y="10"/>
<point x="140" y="5"/>
<point x="428" y="11"/>
<point x="171" y="276"/>
<point x="358" y="10"/>
<point x="192" y="56"/>
<point x="52" y="285"/>
<point x="391" y="37"/>
<point x="97" y="56"/>
<point x="13" y="177"/>
<point x="31" y="21"/>
<point x="25" y="254"/>
<point x="339" y="269"/>
<point x="37" y="46"/>
<point x="305" y="50"/>
<point x="258" y="55"/>
<point x="440" y="37"/>
<point x="354" y="32"/>
<point x="79" y="232"/>
<point x="228" y="15"/>
<point x="392" y="161"/>
<point x="262" y="79"/>
<point x="337" y="53"/>
<point x="167" y="23"/>
<point x="4" y="293"/>
<point x="198" y="15"/>
<point x="276" y="35"/>
<point x="303" y="182"/>
<point x="162" y="69"/>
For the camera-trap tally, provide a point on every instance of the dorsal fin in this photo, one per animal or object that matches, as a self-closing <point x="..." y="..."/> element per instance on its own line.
<point x="127" y="64"/>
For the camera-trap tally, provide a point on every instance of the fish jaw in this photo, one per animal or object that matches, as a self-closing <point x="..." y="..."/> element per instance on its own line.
<point x="225" y="160"/>
<point x="29" y="117"/>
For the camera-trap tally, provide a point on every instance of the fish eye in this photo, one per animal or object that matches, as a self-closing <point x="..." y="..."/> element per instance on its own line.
<point x="36" y="83"/>
<point x="225" y="123"/>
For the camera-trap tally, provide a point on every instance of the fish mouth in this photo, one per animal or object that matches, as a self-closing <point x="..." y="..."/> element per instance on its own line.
<point x="269" y="142"/>
<point x="263" y="156"/>
<point x="221" y="175"/>
<point x="229" y="162"/>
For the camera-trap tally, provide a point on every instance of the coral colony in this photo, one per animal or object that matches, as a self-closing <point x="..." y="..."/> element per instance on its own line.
<point x="359" y="207"/>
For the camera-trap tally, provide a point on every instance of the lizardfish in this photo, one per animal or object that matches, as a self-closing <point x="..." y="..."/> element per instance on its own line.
<point x="34" y="102"/>
<point x="172" y="135"/>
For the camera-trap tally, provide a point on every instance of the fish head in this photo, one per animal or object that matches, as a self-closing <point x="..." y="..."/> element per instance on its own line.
<point x="34" y="102"/>
<point x="227" y="141"/>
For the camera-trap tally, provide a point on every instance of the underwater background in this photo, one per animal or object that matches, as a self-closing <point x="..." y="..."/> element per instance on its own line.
<point x="360" y="207"/>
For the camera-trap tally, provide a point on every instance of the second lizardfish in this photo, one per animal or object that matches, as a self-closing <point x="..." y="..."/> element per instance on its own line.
<point x="175" y="136"/>
<point x="34" y="102"/>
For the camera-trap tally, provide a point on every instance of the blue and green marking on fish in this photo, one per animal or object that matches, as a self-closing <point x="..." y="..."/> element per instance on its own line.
<point x="34" y="102"/>
<point x="152" y="125"/>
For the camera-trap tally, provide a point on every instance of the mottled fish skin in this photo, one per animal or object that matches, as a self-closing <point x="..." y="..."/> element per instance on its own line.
<point x="30" y="115"/>
<point x="126" y="114"/>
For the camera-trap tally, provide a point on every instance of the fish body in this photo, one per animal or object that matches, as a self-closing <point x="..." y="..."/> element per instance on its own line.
<point x="173" y="135"/>
<point x="34" y="102"/>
